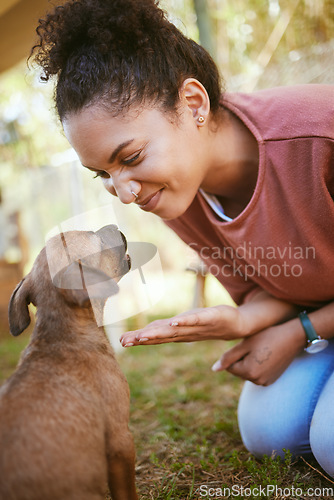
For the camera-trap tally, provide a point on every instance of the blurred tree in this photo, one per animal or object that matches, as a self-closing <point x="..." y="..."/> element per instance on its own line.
<point x="26" y="120"/>
<point x="252" y="33"/>
<point x="204" y="24"/>
<point x="247" y="36"/>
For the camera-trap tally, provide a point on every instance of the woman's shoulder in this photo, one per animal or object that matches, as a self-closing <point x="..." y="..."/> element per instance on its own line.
<point x="286" y="112"/>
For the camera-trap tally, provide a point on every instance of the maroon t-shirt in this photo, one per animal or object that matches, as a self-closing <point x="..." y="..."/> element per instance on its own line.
<point x="283" y="241"/>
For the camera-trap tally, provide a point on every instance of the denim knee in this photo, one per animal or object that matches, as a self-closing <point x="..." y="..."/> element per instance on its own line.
<point x="279" y="416"/>
<point x="268" y="428"/>
<point x="322" y="428"/>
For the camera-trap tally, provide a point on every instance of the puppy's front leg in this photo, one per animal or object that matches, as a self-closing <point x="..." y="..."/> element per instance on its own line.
<point x="121" y="467"/>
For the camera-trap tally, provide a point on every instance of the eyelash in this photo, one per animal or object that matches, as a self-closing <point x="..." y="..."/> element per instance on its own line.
<point x="101" y="173"/>
<point x="131" y="160"/>
<point x="104" y="174"/>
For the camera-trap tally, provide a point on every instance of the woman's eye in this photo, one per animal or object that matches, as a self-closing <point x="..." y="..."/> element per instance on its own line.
<point x="101" y="173"/>
<point x="132" y="159"/>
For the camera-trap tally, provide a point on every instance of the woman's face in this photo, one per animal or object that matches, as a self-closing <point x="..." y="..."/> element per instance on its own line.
<point x="145" y="153"/>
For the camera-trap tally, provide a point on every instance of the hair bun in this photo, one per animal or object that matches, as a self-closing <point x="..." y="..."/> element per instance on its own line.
<point x="117" y="52"/>
<point x="121" y="26"/>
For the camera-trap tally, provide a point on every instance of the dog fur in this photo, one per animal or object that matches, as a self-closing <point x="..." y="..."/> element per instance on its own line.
<point x="64" y="413"/>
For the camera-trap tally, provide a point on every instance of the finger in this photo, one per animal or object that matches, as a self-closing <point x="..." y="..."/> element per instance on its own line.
<point x="146" y="342"/>
<point x="143" y="333"/>
<point x="128" y="339"/>
<point x="153" y="341"/>
<point x="166" y="333"/>
<point x="192" y="319"/>
<point x="230" y="357"/>
<point x="166" y="338"/>
<point x="245" y="369"/>
<point x="152" y="334"/>
<point x="198" y="317"/>
<point x="126" y="335"/>
<point x="171" y="331"/>
<point x="239" y="369"/>
<point x="136" y="335"/>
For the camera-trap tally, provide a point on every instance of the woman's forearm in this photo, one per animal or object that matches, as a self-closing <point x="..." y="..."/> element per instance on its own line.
<point x="323" y="321"/>
<point x="263" y="311"/>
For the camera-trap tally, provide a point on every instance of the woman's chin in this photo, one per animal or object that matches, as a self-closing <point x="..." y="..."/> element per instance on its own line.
<point x="169" y="209"/>
<point x="169" y="213"/>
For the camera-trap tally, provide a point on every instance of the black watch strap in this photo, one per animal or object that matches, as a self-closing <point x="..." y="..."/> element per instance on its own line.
<point x="309" y="330"/>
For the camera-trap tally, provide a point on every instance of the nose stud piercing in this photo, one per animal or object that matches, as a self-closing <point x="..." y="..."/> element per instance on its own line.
<point x="201" y="119"/>
<point x="134" y="194"/>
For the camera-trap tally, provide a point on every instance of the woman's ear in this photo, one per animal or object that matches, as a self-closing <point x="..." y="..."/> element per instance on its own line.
<point x="194" y="95"/>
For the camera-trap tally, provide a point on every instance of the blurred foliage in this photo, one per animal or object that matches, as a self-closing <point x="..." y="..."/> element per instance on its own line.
<point x="29" y="133"/>
<point x="241" y="30"/>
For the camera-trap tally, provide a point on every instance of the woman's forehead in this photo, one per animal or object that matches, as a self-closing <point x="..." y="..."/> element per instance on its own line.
<point x="96" y="121"/>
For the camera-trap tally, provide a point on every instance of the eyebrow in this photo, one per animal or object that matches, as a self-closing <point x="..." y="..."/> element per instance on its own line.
<point x="113" y="154"/>
<point x="118" y="150"/>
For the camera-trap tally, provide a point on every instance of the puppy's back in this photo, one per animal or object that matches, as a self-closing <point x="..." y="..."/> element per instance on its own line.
<point x="53" y="415"/>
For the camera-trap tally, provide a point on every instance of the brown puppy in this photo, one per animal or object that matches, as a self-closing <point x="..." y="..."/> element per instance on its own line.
<point x="64" y="412"/>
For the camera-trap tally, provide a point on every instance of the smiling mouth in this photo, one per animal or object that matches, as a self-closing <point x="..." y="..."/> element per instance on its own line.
<point x="150" y="202"/>
<point x="147" y="200"/>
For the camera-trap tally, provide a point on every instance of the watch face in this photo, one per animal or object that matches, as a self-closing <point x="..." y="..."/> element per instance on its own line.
<point x="317" y="346"/>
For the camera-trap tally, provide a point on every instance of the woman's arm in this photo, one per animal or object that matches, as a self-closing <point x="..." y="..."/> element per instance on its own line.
<point x="264" y="310"/>
<point x="263" y="357"/>
<point x="213" y="323"/>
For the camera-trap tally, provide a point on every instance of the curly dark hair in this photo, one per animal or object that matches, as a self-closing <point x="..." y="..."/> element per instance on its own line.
<point x="118" y="52"/>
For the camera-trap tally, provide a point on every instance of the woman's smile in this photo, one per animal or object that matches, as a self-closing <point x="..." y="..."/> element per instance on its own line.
<point x="150" y="202"/>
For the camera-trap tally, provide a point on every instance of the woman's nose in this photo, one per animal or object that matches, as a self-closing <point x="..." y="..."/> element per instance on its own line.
<point x="125" y="190"/>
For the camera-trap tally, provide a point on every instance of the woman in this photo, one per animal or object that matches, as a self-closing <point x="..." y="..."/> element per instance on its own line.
<point x="246" y="180"/>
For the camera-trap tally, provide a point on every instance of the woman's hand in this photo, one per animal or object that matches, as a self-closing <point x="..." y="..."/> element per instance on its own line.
<point x="212" y="323"/>
<point x="263" y="357"/>
<point x="209" y="323"/>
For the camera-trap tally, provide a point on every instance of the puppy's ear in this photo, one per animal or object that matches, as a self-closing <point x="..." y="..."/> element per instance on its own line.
<point x="79" y="283"/>
<point x="18" y="312"/>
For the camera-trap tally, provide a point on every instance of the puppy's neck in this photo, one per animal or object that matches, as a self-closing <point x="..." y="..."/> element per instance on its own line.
<point x="68" y="324"/>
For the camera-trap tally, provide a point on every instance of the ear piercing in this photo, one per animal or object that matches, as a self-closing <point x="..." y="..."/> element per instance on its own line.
<point x="134" y="194"/>
<point x="201" y="119"/>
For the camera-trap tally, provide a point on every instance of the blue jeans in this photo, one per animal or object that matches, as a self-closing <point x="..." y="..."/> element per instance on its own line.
<point x="296" y="412"/>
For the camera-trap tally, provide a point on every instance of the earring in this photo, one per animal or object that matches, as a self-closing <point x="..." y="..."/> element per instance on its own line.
<point x="201" y="119"/>
<point x="134" y="194"/>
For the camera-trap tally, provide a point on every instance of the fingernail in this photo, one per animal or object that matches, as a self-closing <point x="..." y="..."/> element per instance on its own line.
<point x="128" y="345"/>
<point x="175" y="323"/>
<point x="143" y="340"/>
<point x="216" y="366"/>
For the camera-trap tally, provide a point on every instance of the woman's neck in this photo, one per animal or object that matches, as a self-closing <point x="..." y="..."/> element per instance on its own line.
<point x="234" y="164"/>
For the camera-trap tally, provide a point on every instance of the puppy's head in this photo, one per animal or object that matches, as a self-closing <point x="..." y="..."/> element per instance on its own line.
<point x="78" y="265"/>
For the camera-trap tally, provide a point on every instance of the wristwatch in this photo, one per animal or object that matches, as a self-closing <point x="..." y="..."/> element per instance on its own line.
<point x="314" y="342"/>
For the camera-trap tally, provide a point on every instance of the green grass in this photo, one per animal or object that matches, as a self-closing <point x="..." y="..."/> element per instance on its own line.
<point x="10" y="350"/>
<point x="185" y="427"/>
<point x="183" y="418"/>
